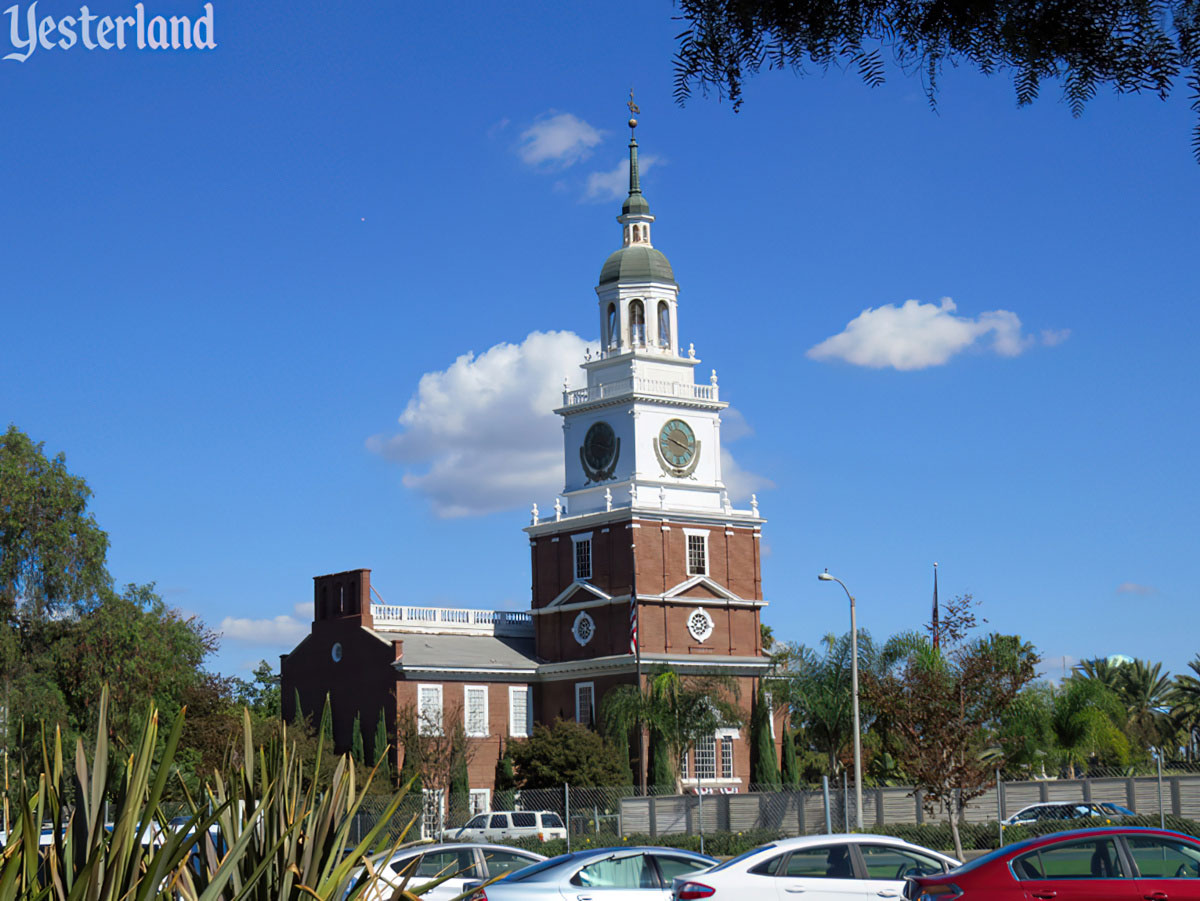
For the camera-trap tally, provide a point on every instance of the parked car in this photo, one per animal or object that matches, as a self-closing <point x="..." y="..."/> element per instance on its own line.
<point x="816" y="868"/>
<point x="501" y="825"/>
<point x="1074" y="810"/>
<point x="603" y="874"/>
<point x="462" y="862"/>
<point x="1111" y="863"/>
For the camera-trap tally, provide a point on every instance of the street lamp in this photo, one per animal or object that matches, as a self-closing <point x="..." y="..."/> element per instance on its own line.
<point x="826" y="577"/>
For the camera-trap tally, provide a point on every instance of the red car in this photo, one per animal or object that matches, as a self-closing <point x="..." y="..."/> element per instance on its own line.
<point x="1107" y="864"/>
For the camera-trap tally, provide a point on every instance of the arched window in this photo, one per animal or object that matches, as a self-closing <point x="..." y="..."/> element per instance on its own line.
<point x="637" y="324"/>
<point x="614" y="334"/>
<point x="664" y="324"/>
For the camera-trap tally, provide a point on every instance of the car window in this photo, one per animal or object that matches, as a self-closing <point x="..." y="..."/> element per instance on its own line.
<point x="670" y="866"/>
<point x="824" y="862"/>
<point x="622" y="872"/>
<point x="552" y="821"/>
<point x="768" y="867"/>
<point x="499" y="821"/>
<point x="886" y="862"/>
<point x="1093" y="859"/>
<point x="500" y="862"/>
<point x="524" y="820"/>
<point x="458" y="864"/>
<point x="478" y="822"/>
<point x="1164" y="858"/>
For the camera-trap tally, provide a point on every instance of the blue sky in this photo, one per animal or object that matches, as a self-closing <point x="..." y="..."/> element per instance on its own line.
<point x="229" y="273"/>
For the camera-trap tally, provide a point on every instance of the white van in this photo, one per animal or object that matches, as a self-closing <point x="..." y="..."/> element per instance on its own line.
<point x="506" y="824"/>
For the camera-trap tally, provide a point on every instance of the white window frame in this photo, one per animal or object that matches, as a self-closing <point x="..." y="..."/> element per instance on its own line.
<point x="683" y="765"/>
<point x="576" y="541"/>
<point x="433" y="812"/>
<point x="726" y="757"/>
<point x="467" y="691"/>
<point x="689" y="534"/>
<point x="475" y="805"/>
<point x="591" y="687"/>
<point x="515" y="729"/>
<point x="706" y="759"/>
<point x="769" y="700"/>
<point x="427" y="725"/>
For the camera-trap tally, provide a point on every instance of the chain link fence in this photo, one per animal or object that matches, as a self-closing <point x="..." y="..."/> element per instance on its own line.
<point x="731" y="816"/>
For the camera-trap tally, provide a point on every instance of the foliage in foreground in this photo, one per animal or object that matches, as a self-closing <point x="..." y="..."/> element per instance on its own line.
<point x="263" y="830"/>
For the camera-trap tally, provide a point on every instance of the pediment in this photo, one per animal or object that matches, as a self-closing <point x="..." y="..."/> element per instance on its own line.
<point x="701" y="587"/>
<point x="577" y="593"/>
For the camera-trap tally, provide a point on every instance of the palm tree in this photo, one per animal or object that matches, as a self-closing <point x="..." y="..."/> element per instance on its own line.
<point x="678" y="713"/>
<point x="1185" y="705"/>
<point x="1086" y="720"/>
<point x="1146" y="694"/>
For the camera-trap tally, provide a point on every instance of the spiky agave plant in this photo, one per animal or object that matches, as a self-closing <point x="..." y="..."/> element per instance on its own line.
<point x="268" y="829"/>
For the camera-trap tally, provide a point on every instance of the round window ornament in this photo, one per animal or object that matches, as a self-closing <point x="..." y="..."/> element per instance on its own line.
<point x="700" y="624"/>
<point x="336" y="652"/>
<point x="584" y="628"/>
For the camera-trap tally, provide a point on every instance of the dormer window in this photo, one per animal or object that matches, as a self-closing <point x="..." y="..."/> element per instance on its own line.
<point x="637" y="324"/>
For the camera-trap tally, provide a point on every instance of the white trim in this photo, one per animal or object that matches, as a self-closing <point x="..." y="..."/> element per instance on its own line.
<point x="769" y="700"/>
<point x="567" y="592"/>
<point x="424" y="726"/>
<point x="689" y="534"/>
<point x="577" y="540"/>
<point x="527" y="726"/>
<point x="582" y="536"/>
<point x="591" y="686"/>
<point x="467" y="689"/>
<point x="584" y="628"/>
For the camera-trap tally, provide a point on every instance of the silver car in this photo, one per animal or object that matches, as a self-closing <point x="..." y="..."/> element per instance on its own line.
<point x="603" y="874"/>
<point x="462" y="862"/>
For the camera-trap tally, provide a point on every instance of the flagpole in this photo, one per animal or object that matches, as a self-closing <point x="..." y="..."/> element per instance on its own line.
<point x="936" y="627"/>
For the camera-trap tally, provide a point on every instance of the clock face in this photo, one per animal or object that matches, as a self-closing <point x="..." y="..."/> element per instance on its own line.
<point x="600" y="446"/>
<point x="677" y="442"/>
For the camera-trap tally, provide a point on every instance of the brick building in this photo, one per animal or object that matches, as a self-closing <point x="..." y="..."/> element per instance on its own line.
<point x="643" y="556"/>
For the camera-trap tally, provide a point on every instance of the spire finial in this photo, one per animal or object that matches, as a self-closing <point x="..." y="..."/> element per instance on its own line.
<point x="635" y="186"/>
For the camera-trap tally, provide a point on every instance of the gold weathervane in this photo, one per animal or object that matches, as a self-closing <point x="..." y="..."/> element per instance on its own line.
<point x="634" y="110"/>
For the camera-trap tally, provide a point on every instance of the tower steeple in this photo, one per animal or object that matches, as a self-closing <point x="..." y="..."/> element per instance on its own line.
<point x="635" y="215"/>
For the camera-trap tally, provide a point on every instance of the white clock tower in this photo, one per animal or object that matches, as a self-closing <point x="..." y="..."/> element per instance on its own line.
<point x="642" y="433"/>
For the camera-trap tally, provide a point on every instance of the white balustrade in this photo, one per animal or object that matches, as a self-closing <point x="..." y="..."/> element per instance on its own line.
<point x="652" y="387"/>
<point x="452" y="619"/>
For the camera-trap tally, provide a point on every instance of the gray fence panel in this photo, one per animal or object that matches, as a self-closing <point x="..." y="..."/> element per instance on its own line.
<point x="1189" y="797"/>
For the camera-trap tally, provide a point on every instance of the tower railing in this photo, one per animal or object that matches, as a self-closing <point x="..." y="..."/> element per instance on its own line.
<point x="513" y="623"/>
<point x="638" y="385"/>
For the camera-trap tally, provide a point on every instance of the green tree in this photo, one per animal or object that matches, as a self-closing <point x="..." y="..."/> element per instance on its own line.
<point x="1185" y="704"/>
<point x="677" y="712"/>
<point x="944" y="702"/>
<point x="764" y="768"/>
<point x="263" y="694"/>
<point x="1025" y="729"/>
<point x="357" y="751"/>
<point x="379" y="752"/>
<point x="1086" y="720"/>
<point x="1127" y="45"/>
<point x="460" y="779"/>
<point x="789" y="769"/>
<point x="505" y="783"/>
<point x="564" y="753"/>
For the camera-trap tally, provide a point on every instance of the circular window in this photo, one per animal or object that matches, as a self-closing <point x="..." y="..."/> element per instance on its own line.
<point x="584" y="628"/>
<point x="336" y="652"/>
<point x="700" y="624"/>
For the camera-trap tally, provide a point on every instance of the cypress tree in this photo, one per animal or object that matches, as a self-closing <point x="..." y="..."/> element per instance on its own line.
<point x="789" y="771"/>
<point x="356" y="741"/>
<point x="505" y="782"/>
<point x="764" y="765"/>
<point x="379" y="752"/>
<point x="297" y="711"/>
<point x="327" y="722"/>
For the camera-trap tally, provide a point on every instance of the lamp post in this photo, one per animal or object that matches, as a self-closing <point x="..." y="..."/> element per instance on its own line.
<point x="858" y="817"/>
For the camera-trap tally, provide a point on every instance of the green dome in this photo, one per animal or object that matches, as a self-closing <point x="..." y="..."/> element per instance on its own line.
<point x="636" y="263"/>
<point x="635" y="204"/>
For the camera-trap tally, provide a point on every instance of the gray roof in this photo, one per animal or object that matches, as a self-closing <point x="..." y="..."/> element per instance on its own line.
<point x="462" y="652"/>
<point x="637" y="263"/>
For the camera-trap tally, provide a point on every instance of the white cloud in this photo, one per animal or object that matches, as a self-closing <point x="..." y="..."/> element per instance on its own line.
<point x="1136" y="588"/>
<point x="282" y="629"/>
<point x="304" y="610"/>
<point x="1052" y="337"/>
<point x="559" y="139"/>
<point x="613" y="184"/>
<point x="481" y="435"/>
<point x="738" y="482"/>
<point x="919" y="335"/>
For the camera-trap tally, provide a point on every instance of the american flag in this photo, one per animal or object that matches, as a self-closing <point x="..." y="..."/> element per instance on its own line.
<point x="633" y="623"/>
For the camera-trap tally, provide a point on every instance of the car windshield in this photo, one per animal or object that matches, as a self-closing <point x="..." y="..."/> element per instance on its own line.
<point x="1109" y="807"/>
<point x="754" y="852"/>
<point x="539" y="871"/>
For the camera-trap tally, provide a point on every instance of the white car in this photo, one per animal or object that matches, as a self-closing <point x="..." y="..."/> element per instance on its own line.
<point x="502" y="825"/>
<point x="851" y="867"/>
<point x="462" y="862"/>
